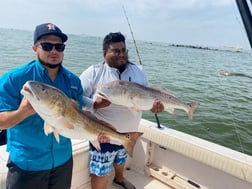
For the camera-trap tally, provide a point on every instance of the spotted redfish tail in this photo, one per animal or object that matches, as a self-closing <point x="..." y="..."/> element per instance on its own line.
<point x="130" y="143"/>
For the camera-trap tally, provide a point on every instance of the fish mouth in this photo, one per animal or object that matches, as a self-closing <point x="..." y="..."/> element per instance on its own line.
<point x="26" y="89"/>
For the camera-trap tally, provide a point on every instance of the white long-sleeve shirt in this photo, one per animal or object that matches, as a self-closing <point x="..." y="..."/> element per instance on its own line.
<point x="121" y="118"/>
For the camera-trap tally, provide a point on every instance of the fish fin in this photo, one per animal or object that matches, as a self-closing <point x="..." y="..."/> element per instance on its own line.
<point x="56" y="135"/>
<point x="193" y="106"/>
<point x="69" y="126"/>
<point x="75" y="103"/>
<point x="95" y="119"/>
<point x="96" y="144"/>
<point x="170" y="110"/>
<point x="135" y="106"/>
<point x="66" y="123"/>
<point x="131" y="141"/>
<point x="163" y="90"/>
<point x="49" y="129"/>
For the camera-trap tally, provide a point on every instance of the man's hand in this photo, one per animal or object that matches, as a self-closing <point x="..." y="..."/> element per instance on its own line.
<point x="103" y="139"/>
<point x="9" y="119"/>
<point x="157" y="107"/>
<point x="101" y="103"/>
<point x="25" y="108"/>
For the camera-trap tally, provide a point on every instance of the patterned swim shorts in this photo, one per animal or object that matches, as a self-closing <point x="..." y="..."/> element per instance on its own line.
<point x="101" y="162"/>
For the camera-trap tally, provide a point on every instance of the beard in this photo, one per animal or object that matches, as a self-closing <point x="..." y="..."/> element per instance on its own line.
<point x="52" y="66"/>
<point x="121" y="68"/>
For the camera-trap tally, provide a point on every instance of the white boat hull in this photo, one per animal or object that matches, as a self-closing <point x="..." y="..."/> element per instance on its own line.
<point x="168" y="158"/>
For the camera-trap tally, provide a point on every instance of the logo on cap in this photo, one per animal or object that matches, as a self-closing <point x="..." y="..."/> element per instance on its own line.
<point x="51" y="27"/>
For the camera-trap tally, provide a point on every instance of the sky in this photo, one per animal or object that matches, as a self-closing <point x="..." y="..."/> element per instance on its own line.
<point x="207" y="23"/>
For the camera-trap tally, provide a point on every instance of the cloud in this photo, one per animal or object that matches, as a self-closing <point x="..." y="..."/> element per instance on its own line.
<point x="189" y="21"/>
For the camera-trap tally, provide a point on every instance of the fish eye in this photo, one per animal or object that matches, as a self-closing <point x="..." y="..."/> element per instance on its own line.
<point x="44" y="90"/>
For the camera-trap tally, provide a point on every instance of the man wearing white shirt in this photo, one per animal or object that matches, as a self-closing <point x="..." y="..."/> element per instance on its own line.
<point x="115" y="66"/>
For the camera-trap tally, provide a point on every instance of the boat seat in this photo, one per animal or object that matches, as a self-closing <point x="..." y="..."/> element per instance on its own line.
<point x="80" y="164"/>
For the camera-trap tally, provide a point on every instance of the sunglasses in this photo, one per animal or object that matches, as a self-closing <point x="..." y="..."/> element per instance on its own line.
<point x="60" y="47"/>
<point x="117" y="52"/>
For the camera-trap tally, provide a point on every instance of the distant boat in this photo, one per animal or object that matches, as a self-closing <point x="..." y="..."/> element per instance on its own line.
<point x="230" y="48"/>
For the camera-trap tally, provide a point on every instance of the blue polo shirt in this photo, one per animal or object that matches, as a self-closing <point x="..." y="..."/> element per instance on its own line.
<point x="28" y="146"/>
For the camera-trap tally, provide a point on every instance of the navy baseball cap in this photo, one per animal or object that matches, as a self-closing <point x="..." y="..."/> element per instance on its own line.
<point x="48" y="29"/>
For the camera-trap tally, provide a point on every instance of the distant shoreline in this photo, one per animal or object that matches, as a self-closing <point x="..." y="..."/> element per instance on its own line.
<point x="222" y="48"/>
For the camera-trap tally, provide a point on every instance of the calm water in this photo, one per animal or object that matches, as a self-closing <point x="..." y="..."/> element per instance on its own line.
<point x="225" y="112"/>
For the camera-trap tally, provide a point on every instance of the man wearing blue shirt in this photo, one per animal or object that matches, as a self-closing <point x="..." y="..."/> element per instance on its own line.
<point x="37" y="160"/>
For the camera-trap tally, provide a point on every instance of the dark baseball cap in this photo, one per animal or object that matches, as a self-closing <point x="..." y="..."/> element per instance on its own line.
<point x="48" y="29"/>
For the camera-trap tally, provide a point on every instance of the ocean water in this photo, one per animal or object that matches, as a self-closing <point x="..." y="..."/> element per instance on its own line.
<point x="225" y="112"/>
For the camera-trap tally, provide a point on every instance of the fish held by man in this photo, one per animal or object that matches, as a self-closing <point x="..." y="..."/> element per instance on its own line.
<point x="62" y="116"/>
<point x="139" y="97"/>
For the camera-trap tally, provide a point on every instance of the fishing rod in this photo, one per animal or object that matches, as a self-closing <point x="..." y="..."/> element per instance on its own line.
<point x="132" y="35"/>
<point x="246" y="18"/>
<point x="156" y="116"/>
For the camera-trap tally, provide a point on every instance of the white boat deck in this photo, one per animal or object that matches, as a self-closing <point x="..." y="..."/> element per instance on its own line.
<point x="140" y="181"/>
<point x="81" y="179"/>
